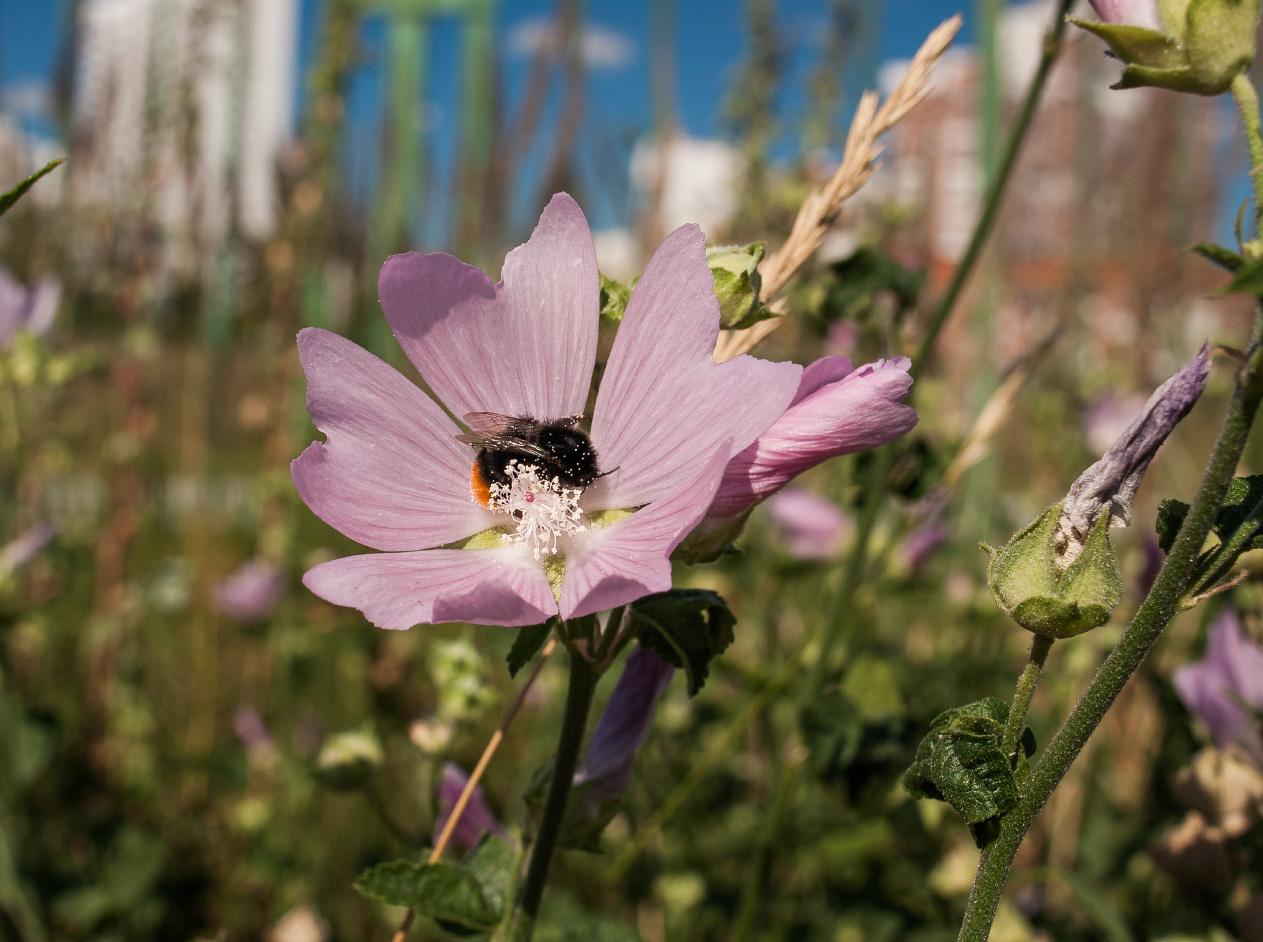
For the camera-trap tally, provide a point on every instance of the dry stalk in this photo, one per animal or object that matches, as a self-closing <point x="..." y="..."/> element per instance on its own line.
<point x="822" y="206"/>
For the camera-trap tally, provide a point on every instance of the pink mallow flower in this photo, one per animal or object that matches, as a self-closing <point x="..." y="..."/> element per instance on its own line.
<point x="251" y="592"/>
<point x="1129" y="12"/>
<point x="809" y="526"/>
<point x="477" y="818"/>
<point x="667" y="420"/>
<point x="23" y="308"/>
<point x="1225" y="688"/>
<point x="837" y="410"/>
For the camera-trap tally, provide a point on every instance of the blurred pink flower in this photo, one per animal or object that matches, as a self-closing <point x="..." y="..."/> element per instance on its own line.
<point x="23" y="308"/>
<point x="837" y="410"/>
<point x="1130" y="12"/>
<point x="477" y="818"/>
<point x="25" y="547"/>
<point x="809" y="526"/>
<point x="392" y="474"/>
<point x="622" y="730"/>
<point x="1225" y="688"/>
<point x="919" y="546"/>
<point x="251" y="592"/>
<point x="843" y="335"/>
<point x="1108" y="417"/>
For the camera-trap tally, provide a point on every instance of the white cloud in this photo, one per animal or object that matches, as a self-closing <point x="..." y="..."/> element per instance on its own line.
<point x="603" y="48"/>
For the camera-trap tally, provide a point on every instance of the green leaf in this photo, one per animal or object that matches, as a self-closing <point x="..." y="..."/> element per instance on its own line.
<point x="447" y="892"/>
<point x="687" y="628"/>
<point x="960" y="761"/>
<point x="614" y="298"/>
<point x="8" y="199"/>
<point x="1243" y="497"/>
<point x="1225" y="258"/>
<point x="734" y="270"/>
<point x="1171" y="514"/>
<point x="494" y="864"/>
<point x="527" y="644"/>
<point x="1247" y="280"/>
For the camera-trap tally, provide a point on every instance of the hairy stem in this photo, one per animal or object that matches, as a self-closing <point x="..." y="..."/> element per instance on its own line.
<point x="1248" y="104"/>
<point x="1025" y="690"/>
<point x="1151" y="618"/>
<point x="998" y="184"/>
<point x="575" y="720"/>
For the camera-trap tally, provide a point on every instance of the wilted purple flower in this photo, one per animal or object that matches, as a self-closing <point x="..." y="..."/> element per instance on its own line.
<point x="837" y="410"/>
<point x="622" y="730"/>
<point x="809" y="526"/>
<point x="394" y="476"/>
<point x="25" y="547"/>
<point x="251" y="592"/>
<point x="477" y="818"/>
<point x="1108" y="417"/>
<point x="30" y="309"/>
<point x="1226" y="685"/>
<point x="1110" y="485"/>
<point x="1129" y="12"/>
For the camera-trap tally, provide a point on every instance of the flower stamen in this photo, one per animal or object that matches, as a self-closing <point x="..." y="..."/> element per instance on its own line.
<point x="543" y="508"/>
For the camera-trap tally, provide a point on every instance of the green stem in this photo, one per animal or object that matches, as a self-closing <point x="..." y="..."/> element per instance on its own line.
<point x="1248" y="104"/>
<point x="1151" y="618"/>
<point x="575" y="720"/>
<point x="997" y="185"/>
<point x="756" y="878"/>
<point x="1025" y="690"/>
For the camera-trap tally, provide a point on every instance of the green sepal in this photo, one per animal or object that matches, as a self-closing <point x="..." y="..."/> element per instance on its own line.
<point x="699" y="547"/>
<point x="8" y="199"/>
<point x="1247" y="279"/>
<point x="614" y="298"/>
<point x="1220" y="41"/>
<point x="961" y="761"/>
<point x="527" y="644"/>
<point x="1225" y="258"/>
<point x="1023" y="580"/>
<point x="686" y="628"/>
<point x="464" y="898"/>
<point x="1136" y="44"/>
<point x="737" y="282"/>
<point x="1244" y="495"/>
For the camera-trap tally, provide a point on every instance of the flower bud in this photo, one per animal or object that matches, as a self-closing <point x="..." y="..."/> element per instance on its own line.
<point x="1024" y="580"/>
<point x="348" y="759"/>
<point x="735" y="269"/>
<point x="1194" y="46"/>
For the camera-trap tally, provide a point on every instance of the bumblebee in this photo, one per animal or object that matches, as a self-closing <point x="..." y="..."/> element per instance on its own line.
<point x="558" y="449"/>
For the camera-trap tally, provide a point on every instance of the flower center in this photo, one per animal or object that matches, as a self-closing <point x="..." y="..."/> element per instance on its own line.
<point x="543" y="508"/>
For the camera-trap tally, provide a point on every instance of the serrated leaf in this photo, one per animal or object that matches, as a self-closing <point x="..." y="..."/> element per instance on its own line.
<point x="493" y="864"/>
<point x="1225" y="258"/>
<point x="527" y="644"/>
<point x="960" y="761"/>
<point x="8" y="199"/>
<point x="1171" y="514"/>
<point x="443" y="891"/>
<point x="686" y="628"/>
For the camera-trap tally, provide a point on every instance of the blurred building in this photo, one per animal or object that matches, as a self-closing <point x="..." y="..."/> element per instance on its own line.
<point x="180" y="109"/>
<point x="1110" y="190"/>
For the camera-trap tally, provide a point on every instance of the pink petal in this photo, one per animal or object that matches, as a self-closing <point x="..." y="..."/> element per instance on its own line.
<point x="525" y="346"/>
<point x="399" y="590"/>
<point x="664" y="405"/>
<point x="837" y="411"/>
<point x="392" y="474"/>
<point x="631" y="558"/>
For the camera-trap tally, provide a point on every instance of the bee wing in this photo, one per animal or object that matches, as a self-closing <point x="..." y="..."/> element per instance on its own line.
<point x="486" y="426"/>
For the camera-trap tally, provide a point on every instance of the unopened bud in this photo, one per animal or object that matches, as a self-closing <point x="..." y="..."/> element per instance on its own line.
<point x="348" y="759"/>
<point x="735" y="269"/>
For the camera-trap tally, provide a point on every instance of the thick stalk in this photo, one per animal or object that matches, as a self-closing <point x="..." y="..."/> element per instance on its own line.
<point x="1152" y="617"/>
<point x="575" y="720"/>
<point x="1026" y="685"/>
<point x="997" y="185"/>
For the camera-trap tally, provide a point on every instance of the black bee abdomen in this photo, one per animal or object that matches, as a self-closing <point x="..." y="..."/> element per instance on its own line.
<point x="573" y="459"/>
